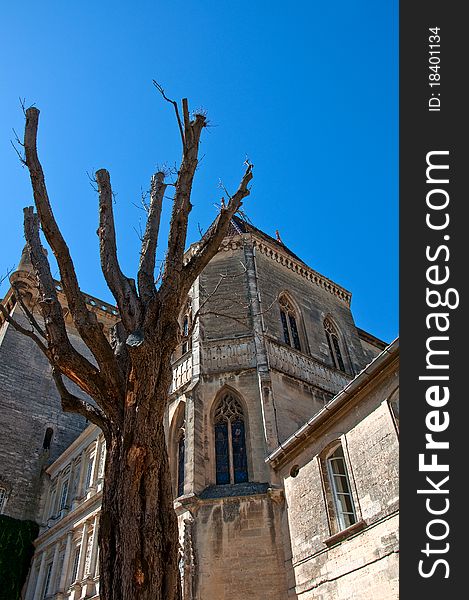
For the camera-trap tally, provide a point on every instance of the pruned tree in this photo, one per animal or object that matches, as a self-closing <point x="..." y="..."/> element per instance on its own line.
<point x="130" y="376"/>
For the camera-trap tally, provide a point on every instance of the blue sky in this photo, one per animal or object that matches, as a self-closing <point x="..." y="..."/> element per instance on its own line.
<point x="307" y="90"/>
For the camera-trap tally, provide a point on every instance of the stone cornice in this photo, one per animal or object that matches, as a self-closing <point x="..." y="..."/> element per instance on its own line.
<point x="283" y="257"/>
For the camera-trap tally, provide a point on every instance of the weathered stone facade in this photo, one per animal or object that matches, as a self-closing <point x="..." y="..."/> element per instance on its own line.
<point x="272" y="349"/>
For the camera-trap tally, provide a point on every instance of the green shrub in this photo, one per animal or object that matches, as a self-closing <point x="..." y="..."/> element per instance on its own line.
<point x="16" y="551"/>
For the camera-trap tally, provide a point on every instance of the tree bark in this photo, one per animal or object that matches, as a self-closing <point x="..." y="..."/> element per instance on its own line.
<point x="138" y="536"/>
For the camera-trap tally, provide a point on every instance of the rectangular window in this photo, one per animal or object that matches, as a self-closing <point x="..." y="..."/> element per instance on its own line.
<point x="89" y="471"/>
<point x="47" y="581"/>
<point x="343" y="500"/>
<point x="64" y="495"/>
<point x="53" y="495"/>
<point x="76" y="558"/>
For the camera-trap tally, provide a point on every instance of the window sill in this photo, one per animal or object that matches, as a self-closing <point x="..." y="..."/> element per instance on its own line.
<point x="345" y="533"/>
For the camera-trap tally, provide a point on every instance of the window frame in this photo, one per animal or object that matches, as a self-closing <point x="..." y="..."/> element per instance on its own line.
<point x="337" y="351"/>
<point x="229" y="419"/>
<point x="290" y="319"/>
<point x="338" y="505"/>
<point x="335" y="514"/>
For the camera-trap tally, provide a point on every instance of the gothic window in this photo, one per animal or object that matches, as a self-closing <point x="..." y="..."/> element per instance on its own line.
<point x="180" y="461"/>
<point x="230" y="442"/>
<point x="47" y="438"/>
<point x="3" y="499"/>
<point x="338" y="485"/>
<point x="185" y="334"/>
<point x="332" y="336"/>
<point x="289" y="323"/>
<point x="185" y="321"/>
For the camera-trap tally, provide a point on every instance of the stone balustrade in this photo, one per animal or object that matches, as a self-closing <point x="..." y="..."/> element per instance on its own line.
<point x="308" y="369"/>
<point x="182" y="371"/>
<point x="228" y="354"/>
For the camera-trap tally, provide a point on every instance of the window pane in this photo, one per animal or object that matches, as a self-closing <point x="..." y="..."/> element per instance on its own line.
<point x="286" y="333"/>
<point x="294" y="332"/>
<point x="63" y="498"/>
<point x="181" y="452"/>
<point x="221" y="452"/>
<point x="341" y="488"/>
<point x="338" y="353"/>
<point x="334" y="361"/>
<point x="238" y="438"/>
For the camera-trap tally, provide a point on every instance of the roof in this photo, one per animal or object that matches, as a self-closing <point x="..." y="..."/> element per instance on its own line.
<point x="239" y="225"/>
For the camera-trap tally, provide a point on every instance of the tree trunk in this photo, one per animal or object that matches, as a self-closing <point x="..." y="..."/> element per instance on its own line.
<point x="138" y="536"/>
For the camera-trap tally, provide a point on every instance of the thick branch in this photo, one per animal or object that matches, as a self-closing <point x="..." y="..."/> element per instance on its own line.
<point x="60" y="351"/>
<point x="74" y="404"/>
<point x="146" y="270"/>
<point x="181" y="203"/>
<point x="212" y="239"/>
<point x="121" y="287"/>
<point x="85" y="321"/>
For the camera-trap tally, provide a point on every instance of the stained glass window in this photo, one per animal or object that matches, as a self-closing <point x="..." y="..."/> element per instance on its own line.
<point x="230" y="442"/>
<point x="240" y="466"/>
<point x="181" y="458"/>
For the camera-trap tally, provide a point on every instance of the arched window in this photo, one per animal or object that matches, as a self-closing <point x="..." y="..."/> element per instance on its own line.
<point x="180" y="463"/>
<point x="185" y="333"/>
<point x="332" y="336"/>
<point x="289" y="323"/>
<point x="230" y="442"/>
<point x="340" y="486"/>
<point x="47" y="438"/>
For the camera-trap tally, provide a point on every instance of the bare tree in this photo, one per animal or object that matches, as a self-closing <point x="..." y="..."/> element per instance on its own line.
<point x="130" y="376"/>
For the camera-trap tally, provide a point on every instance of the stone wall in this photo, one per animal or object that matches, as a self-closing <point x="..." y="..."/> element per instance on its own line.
<point x="29" y="404"/>
<point x="362" y="562"/>
<point x="238" y="550"/>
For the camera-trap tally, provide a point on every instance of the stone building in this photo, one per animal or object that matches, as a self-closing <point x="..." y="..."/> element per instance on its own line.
<point x="282" y="429"/>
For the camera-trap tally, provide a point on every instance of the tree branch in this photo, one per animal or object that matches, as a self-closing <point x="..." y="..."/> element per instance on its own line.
<point x="85" y="321"/>
<point x="176" y="109"/>
<point x="31" y="318"/>
<point x="146" y="270"/>
<point x="181" y="203"/>
<point x="60" y="351"/>
<point x="74" y="404"/>
<point x="122" y="288"/>
<point x="23" y="330"/>
<point x="212" y="239"/>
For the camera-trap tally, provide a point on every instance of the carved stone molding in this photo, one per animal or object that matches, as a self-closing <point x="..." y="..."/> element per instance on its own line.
<point x="298" y="365"/>
<point x="227" y="355"/>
